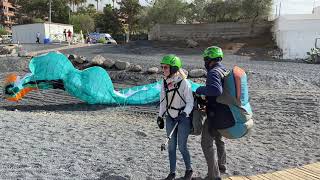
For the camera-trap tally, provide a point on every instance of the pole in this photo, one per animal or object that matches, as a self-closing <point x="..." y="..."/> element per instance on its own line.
<point x="50" y="1"/>
<point x="50" y="11"/>
<point x="280" y="9"/>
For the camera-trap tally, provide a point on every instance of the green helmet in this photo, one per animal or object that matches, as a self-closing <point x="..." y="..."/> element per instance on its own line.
<point x="212" y="53"/>
<point x="172" y="61"/>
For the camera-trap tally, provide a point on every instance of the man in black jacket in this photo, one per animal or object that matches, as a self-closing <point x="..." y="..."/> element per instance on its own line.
<point x="219" y="115"/>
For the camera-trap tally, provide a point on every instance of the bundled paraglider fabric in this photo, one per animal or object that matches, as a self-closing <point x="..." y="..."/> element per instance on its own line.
<point x="92" y="85"/>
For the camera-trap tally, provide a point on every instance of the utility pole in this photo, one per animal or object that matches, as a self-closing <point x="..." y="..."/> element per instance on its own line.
<point x="50" y="11"/>
<point x="280" y="9"/>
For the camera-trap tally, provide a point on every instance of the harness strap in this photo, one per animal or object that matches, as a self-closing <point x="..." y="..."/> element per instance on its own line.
<point x="175" y="90"/>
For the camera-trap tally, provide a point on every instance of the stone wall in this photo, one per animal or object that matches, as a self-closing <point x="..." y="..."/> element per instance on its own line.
<point x="206" y="31"/>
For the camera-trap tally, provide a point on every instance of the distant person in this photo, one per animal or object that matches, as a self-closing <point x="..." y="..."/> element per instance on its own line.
<point x="69" y="35"/>
<point x="88" y="39"/>
<point x="176" y="102"/>
<point x="219" y="115"/>
<point x="65" y="34"/>
<point x="38" y="37"/>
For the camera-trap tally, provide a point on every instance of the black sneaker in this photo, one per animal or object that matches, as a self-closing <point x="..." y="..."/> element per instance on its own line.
<point x="171" y="176"/>
<point x="188" y="175"/>
<point x="223" y="170"/>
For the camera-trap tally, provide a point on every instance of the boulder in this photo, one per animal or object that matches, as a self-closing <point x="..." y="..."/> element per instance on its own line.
<point x="14" y="52"/>
<point x="80" y="59"/>
<point x="9" y="49"/>
<point x="135" y="68"/>
<point x="23" y="53"/>
<point x="121" y="65"/>
<point x="197" y="73"/>
<point x="108" y="63"/>
<point x="185" y="72"/>
<point x="153" y="70"/>
<point x="4" y="50"/>
<point x="98" y="60"/>
<point x="72" y="57"/>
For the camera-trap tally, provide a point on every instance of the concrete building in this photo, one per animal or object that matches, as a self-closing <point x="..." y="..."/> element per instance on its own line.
<point x="295" y="34"/>
<point x="316" y="10"/>
<point x="7" y="14"/>
<point x="27" y="33"/>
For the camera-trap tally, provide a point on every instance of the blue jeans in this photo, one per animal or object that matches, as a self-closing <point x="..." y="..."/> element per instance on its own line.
<point x="180" y="136"/>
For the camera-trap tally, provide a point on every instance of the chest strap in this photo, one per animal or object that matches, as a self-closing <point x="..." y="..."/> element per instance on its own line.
<point x="175" y="91"/>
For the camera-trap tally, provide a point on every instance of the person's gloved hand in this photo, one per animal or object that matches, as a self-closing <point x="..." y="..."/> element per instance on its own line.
<point x="160" y="122"/>
<point x="181" y="116"/>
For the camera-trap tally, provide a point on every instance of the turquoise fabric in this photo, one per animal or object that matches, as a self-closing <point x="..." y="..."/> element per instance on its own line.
<point x="92" y="85"/>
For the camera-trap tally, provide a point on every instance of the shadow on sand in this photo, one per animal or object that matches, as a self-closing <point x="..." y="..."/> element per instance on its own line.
<point x="58" y="107"/>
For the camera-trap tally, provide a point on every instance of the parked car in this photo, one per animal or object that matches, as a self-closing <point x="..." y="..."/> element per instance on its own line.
<point x="101" y="38"/>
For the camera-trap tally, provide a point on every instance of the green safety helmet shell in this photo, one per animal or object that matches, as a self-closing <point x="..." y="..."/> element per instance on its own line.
<point x="172" y="61"/>
<point x="212" y="53"/>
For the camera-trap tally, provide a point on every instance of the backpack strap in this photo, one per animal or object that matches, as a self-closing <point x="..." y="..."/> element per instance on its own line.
<point x="223" y="73"/>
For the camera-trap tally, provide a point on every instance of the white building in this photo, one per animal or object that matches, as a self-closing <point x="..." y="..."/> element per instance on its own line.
<point x="295" y="34"/>
<point x="27" y="33"/>
<point x="316" y="10"/>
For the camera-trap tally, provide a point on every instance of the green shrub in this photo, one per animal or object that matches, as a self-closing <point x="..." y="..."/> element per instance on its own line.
<point x="3" y="31"/>
<point x="37" y="20"/>
<point x="102" y="40"/>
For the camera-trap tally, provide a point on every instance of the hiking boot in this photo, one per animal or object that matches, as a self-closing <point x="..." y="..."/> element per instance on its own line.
<point x="171" y="176"/>
<point x="188" y="175"/>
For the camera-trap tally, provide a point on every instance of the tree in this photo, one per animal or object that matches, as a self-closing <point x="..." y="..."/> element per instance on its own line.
<point x="89" y="10"/>
<point x="195" y="11"/>
<point x="225" y="10"/>
<point x="31" y="9"/>
<point x="168" y="11"/>
<point x="129" y="10"/>
<point x="109" y="21"/>
<point x="82" y="22"/>
<point x="256" y="10"/>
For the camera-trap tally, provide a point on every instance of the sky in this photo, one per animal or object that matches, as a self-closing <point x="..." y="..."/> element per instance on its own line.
<point x="287" y="6"/>
<point x="295" y="6"/>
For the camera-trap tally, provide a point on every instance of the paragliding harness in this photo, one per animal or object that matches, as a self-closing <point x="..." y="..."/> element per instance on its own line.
<point x="197" y="115"/>
<point x="175" y="91"/>
<point x="168" y="106"/>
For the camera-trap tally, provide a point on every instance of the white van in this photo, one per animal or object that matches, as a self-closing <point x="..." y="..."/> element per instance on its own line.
<point x="94" y="37"/>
